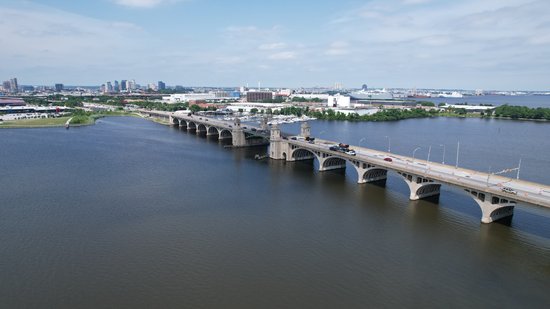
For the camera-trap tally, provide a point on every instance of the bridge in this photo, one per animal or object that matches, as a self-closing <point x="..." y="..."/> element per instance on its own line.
<point x="241" y="135"/>
<point x="496" y="195"/>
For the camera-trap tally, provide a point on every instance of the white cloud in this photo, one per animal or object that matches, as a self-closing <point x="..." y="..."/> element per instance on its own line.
<point x="285" y="55"/>
<point x="143" y="3"/>
<point x="272" y="46"/>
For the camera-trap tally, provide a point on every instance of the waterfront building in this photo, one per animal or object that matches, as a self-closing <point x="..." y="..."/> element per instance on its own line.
<point x="123" y="85"/>
<point x="58" y="87"/>
<point x="258" y="96"/>
<point x="339" y="100"/>
<point x="116" y="87"/>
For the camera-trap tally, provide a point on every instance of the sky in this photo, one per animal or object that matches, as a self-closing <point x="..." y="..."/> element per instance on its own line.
<point x="466" y="44"/>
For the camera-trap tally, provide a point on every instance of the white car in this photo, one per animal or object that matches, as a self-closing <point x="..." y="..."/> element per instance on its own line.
<point x="509" y="190"/>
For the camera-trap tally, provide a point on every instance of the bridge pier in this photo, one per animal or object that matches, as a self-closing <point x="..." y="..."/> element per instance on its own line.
<point x="372" y="174"/>
<point x="183" y="124"/>
<point x="420" y="187"/>
<point x="492" y="207"/>
<point x="212" y="131"/>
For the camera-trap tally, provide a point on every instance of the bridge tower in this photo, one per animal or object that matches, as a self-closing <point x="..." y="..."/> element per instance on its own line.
<point x="239" y="139"/>
<point x="263" y="124"/>
<point x="305" y="129"/>
<point x="278" y="148"/>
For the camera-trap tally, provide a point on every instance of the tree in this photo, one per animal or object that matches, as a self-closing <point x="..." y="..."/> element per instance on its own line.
<point x="254" y="111"/>
<point x="195" y="108"/>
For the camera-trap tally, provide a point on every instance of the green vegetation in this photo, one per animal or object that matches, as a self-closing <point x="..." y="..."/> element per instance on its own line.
<point x="522" y="112"/>
<point x="383" y="115"/>
<point x="302" y="99"/>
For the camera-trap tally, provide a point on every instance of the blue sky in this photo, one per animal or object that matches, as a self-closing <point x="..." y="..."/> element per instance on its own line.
<point x="469" y="44"/>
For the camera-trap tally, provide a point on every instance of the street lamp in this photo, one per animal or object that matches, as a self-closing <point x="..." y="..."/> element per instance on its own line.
<point x="362" y="140"/>
<point x="414" y="151"/>
<point x="443" y="153"/>
<point x="429" y="151"/>
<point x="457" y="149"/>
<point x="389" y="143"/>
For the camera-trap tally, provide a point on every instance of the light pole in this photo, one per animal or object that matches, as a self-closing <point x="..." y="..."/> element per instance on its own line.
<point x="389" y="143"/>
<point x="488" y="175"/>
<point x="361" y="140"/>
<point x="429" y="151"/>
<point x="414" y="151"/>
<point x="457" y="150"/>
<point x="443" y="153"/>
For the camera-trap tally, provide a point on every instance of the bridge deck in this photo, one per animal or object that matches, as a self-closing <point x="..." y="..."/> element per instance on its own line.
<point x="528" y="192"/>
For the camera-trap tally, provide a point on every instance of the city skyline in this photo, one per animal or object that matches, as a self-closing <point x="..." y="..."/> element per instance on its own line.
<point x="398" y="44"/>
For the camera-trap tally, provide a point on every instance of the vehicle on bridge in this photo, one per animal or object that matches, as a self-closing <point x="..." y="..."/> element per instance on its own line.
<point x="509" y="190"/>
<point x="388" y="159"/>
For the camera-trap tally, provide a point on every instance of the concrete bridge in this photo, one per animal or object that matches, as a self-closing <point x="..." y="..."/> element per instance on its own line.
<point x="240" y="135"/>
<point x="496" y="195"/>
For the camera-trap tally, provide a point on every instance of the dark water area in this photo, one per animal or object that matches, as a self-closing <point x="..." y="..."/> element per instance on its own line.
<point x="133" y="214"/>
<point x="532" y="101"/>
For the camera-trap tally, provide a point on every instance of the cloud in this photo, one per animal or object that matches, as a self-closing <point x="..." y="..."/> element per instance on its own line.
<point x="143" y="3"/>
<point x="338" y="48"/>
<point x="272" y="46"/>
<point x="286" y="55"/>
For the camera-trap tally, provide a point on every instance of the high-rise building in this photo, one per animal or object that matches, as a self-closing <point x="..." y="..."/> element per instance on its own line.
<point x="6" y="86"/>
<point x="123" y="85"/>
<point x="152" y="86"/>
<point x="13" y="85"/>
<point x="58" y="87"/>
<point x="108" y="87"/>
<point x="161" y="85"/>
<point x="131" y="85"/>
<point x="116" y="86"/>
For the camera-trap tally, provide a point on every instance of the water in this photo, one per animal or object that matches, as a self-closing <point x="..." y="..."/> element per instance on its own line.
<point x="531" y="101"/>
<point x="129" y="213"/>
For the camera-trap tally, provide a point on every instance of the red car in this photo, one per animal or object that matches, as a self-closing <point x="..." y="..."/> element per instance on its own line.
<point x="388" y="159"/>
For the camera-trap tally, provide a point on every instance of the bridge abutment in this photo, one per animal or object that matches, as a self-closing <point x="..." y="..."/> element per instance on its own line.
<point x="420" y="187"/>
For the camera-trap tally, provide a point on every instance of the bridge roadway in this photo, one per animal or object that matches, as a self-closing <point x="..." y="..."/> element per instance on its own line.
<point x="529" y="192"/>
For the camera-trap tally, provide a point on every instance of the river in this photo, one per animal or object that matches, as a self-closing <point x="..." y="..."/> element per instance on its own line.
<point x="133" y="214"/>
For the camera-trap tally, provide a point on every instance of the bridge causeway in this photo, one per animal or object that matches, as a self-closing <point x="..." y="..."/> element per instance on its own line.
<point x="423" y="178"/>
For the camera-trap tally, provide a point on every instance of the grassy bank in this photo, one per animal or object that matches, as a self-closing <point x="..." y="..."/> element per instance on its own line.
<point x="80" y="119"/>
<point x="35" y="123"/>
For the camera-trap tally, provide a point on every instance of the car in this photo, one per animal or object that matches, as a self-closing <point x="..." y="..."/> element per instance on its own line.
<point x="293" y="138"/>
<point x="509" y="190"/>
<point x="350" y="152"/>
<point x="253" y="129"/>
<point x="334" y="148"/>
<point x="388" y="159"/>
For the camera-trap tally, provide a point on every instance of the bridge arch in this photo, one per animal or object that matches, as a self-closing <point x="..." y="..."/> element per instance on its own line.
<point x="183" y="123"/>
<point x="201" y="128"/>
<point x="298" y="154"/>
<point x="332" y="163"/>
<point x="174" y="121"/>
<point x="191" y="125"/>
<point x="225" y="134"/>
<point x="212" y="131"/>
